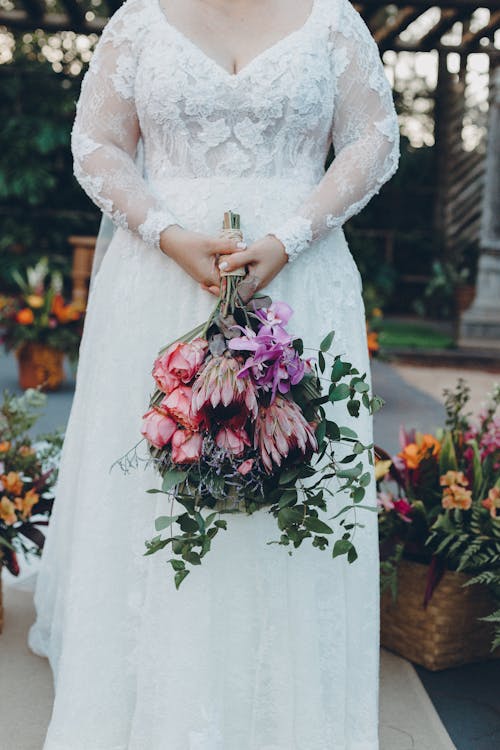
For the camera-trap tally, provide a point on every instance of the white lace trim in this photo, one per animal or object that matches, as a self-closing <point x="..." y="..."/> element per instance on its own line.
<point x="156" y="221"/>
<point x="296" y="235"/>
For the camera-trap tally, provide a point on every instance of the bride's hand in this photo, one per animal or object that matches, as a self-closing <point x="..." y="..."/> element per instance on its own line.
<point x="197" y="253"/>
<point x="264" y="260"/>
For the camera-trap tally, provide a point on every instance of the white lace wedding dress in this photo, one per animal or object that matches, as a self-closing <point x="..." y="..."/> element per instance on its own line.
<point x="258" y="650"/>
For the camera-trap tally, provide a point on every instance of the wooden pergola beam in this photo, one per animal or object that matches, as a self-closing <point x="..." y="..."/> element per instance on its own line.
<point x="386" y="34"/>
<point x="34" y="8"/>
<point x="469" y="5"/>
<point x="448" y="18"/>
<point x="461" y="49"/>
<point x="20" y="20"/>
<point x="471" y="39"/>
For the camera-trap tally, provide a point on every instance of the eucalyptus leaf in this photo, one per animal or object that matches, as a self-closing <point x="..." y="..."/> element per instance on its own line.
<point x="327" y="342"/>
<point x="340" y="392"/>
<point x="163" y="522"/>
<point x="317" y="525"/>
<point x="172" y="478"/>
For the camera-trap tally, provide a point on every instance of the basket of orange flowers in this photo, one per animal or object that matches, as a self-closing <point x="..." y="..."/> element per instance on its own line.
<point x="40" y="327"/>
<point x="28" y="471"/>
<point x="439" y="528"/>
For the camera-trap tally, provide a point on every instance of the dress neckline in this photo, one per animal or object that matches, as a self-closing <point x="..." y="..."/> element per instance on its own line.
<point x="187" y="41"/>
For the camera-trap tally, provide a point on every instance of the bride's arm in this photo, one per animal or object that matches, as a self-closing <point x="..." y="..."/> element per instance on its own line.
<point x="106" y="132"/>
<point x="365" y="137"/>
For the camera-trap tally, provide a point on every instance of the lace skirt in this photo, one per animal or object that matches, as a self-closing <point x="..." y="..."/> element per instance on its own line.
<point x="259" y="649"/>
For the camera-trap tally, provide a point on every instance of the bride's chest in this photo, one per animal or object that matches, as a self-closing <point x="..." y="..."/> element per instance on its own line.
<point x="292" y="84"/>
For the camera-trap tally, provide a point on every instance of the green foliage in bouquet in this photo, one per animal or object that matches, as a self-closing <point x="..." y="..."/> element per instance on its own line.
<point x="439" y="498"/>
<point x="28" y="471"/>
<point x="239" y="421"/>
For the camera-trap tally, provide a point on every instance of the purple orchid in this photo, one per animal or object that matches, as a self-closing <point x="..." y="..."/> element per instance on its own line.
<point x="275" y="365"/>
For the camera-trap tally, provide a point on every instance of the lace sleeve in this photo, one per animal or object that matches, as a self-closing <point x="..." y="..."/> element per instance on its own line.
<point x="365" y="137"/>
<point x="106" y="131"/>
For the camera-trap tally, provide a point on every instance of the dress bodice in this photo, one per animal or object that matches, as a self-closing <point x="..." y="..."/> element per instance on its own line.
<point x="271" y="118"/>
<point x="323" y="83"/>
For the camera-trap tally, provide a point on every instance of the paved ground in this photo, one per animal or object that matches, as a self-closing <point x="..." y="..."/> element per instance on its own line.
<point x="432" y="381"/>
<point x="467" y="699"/>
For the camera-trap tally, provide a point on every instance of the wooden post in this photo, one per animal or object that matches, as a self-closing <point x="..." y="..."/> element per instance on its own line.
<point x="83" y="253"/>
<point x="480" y="324"/>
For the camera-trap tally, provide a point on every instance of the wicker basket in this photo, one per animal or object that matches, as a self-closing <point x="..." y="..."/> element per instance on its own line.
<point x="447" y="632"/>
<point x="39" y="365"/>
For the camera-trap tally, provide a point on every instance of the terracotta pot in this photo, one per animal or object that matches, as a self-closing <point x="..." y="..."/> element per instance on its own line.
<point x="446" y="633"/>
<point x="464" y="297"/>
<point x="40" y="365"/>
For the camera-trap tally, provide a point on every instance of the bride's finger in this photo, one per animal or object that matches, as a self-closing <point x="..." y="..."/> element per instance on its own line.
<point x="224" y="245"/>
<point x="235" y="260"/>
<point x="210" y="288"/>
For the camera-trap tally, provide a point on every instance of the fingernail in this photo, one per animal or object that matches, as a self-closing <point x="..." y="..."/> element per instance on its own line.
<point x="241" y="245"/>
<point x="223" y="265"/>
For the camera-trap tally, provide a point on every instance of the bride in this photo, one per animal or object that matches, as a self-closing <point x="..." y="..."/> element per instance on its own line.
<point x="233" y="104"/>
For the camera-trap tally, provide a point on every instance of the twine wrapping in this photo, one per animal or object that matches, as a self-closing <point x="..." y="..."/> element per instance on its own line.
<point x="231" y="230"/>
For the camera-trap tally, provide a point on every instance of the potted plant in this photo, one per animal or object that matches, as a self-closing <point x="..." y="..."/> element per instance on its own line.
<point x="28" y="471"/>
<point x="439" y="525"/>
<point x="448" y="293"/>
<point x="40" y="327"/>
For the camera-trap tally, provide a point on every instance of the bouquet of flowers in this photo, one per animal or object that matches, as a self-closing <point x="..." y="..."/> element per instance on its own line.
<point x="439" y="498"/>
<point x="236" y="419"/>
<point x="28" y="471"/>
<point x="40" y="314"/>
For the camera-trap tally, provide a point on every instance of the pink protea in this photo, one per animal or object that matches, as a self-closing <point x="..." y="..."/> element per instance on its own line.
<point x="232" y="440"/>
<point x="218" y="384"/>
<point x="280" y="429"/>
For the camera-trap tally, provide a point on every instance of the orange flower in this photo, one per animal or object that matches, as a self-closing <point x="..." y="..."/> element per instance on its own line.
<point x="64" y="313"/>
<point x="429" y="444"/>
<point x="456" y="497"/>
<point x="426" y="445"/>
<point x="25" y="316"/>
<point x="26" y="450"/>
<point x="7" y="511"/>
<point x="492" y="502"/>
<point x="373" y="345"/>
<point x="4" y="446"/>
<point x="453" y="477"/>
<point x="28" y="501"/>
<point x="12" y="482"/>
<point x="411" y="455"/>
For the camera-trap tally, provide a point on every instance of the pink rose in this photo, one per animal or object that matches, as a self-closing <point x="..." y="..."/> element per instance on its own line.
<point x="157" y="428"/>
<point x="232" y="440"/>
<point x="165" y="381"/>
<point x="186" y="446"/>
<point x="184" y="360"/>
<point x="178" y="404"/>
<point x="245" y="466"/>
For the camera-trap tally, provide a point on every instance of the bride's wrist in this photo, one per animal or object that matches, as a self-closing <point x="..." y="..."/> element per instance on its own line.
<point x="169" y="237"/>
<point x="279" y="245"/>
